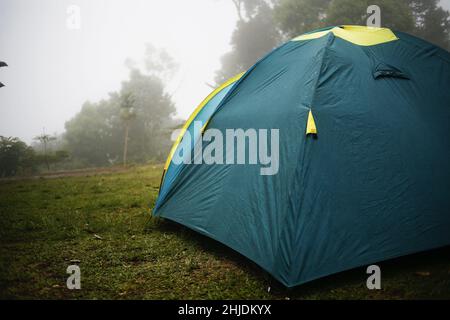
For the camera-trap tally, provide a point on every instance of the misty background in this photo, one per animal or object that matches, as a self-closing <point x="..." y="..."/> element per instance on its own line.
<point x="125" y="73"/>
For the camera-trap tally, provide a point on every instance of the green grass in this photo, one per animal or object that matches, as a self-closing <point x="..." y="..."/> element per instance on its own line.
<point x="46" y="223"/>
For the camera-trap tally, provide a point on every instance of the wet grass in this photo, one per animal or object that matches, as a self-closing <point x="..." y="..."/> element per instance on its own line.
<point x="103" y="223"/>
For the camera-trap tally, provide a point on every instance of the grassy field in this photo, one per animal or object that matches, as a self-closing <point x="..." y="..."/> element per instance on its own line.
<point x="103" y="220"/>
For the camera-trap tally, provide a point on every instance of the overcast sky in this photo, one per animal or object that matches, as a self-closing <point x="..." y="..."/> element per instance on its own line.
<point x="54" y="69"/>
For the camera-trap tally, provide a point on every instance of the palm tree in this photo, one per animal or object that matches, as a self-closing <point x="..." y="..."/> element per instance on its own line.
<point x="127" y="113"/>
<point x="44" y="139"/>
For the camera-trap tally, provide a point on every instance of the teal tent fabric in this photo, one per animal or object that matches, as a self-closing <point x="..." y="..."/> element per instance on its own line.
<point x="372" y="184"/>
<point x="202" y="117"/>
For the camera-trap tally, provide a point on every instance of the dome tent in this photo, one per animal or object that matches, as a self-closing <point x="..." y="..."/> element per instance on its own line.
<point x="364" y="155"/>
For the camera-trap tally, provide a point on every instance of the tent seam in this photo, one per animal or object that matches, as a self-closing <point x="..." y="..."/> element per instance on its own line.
<point x="244" y="76"/>
<point x="330" y="38"/>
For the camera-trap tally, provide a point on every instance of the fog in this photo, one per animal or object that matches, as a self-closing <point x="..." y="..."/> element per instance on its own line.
<point x="53" y="68"/>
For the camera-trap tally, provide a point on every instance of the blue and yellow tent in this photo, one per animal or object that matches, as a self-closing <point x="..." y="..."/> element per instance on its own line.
<point x="364" y="155"/>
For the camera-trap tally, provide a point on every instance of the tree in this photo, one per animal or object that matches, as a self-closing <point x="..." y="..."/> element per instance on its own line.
<point x="153" y="110"/>
<point x="94" y="135"/>
<point x="15" y="156"/>
<point x="131" y="123"/>
<point x="44" y="139"/>
<point x="127" y="114"/>
<point x="295" y="17"/>
<point x="423" y="18"/>
<point x="246" y="9"/>
<point x="395" y="14"/>
<point x="253" y="37"/>
<point x="431" y="22"/>
<point x="159" y="63"/>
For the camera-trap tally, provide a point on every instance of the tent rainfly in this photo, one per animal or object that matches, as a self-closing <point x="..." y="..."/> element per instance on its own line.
<point x="363" y="174"/>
